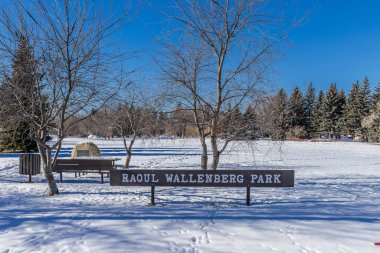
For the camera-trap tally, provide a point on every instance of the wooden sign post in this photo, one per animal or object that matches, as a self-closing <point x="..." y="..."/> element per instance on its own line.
<point x="195" y="178"/>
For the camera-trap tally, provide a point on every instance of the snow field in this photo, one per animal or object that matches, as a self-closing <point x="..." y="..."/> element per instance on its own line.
<point x="334" y="206"/>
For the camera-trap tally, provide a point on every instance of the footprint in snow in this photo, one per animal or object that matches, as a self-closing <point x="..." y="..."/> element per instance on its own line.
<point x="200" y="239"/>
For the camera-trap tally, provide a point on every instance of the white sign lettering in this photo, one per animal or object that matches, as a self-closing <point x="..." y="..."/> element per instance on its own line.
<point x="147" y="178"/>
<point x="269" y="179"/>
<point x="203" y="179"/>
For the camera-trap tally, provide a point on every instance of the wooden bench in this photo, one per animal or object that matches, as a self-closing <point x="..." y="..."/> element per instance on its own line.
<point x="83" y="165"/>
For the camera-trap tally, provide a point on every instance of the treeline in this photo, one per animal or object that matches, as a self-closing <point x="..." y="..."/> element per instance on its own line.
<point x="330" y="114"/>
<point x="128" y="119"/>
<point x="325" y="114"/>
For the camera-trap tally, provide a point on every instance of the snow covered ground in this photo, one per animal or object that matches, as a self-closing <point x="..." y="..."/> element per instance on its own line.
<point x="334" y="206"/>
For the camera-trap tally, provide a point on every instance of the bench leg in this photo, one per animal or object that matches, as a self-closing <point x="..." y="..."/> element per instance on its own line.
<point x="248" y="196"/>
<point x="152" y="202"/>
<point x="60" y="176"/>
<point x="101" y="175"/>
<point x="75" y="175"/>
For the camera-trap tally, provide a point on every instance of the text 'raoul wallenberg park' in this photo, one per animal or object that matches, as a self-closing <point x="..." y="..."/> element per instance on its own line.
<point x="232" y="178"/>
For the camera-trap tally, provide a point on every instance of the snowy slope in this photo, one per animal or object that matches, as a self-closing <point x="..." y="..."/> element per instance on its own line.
<point x="334" y="207"/>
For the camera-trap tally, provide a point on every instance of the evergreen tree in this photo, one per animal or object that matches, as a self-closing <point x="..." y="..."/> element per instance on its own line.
<point x="352" y="111"/>
<point x="251" y="128"/>
<point x="280" y="116"/>
<point x="232" y="124"/>
<point x="297" y="110"/>
<point x="372" y="124"/>
<point x="309" y="107"/>
<point x="372" y="129"/>
<point x="358" y="106"/>
<point x="375" y="97"/>
<point x="341" y="105"/>
<point x="365" y="99"/>
<point x="332" y="111"/>
<point x="317" y="114"/>
<point x="17" y="135"/>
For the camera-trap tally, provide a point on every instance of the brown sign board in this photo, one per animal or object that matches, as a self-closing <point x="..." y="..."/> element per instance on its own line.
<point x="201" y="178"/>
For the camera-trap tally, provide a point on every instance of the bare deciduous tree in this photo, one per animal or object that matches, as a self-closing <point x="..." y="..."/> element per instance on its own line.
<point x="134" y="118"/>
<point x="236" y="41"/>
<point x="75" y="74"/>
<point x="183" y="70"/>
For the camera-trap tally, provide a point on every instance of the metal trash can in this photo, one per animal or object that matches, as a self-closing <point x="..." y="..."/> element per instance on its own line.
<point x="30" y="164"/>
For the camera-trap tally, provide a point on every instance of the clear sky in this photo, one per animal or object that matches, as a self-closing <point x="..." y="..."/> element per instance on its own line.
<point x="339" y="42"/>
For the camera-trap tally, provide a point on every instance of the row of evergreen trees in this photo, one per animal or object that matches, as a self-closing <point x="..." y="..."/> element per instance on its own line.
<point x="330" y="114"/>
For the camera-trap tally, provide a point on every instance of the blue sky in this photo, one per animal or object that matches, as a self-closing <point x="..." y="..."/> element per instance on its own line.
<point x="339" y="42"/>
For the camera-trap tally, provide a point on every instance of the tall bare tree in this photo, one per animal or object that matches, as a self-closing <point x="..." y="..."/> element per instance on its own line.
<point x="238" y="42"/>
<point x="184" y="71"/>
<point x="75" y="67"/>
<point x="134" y="118"/>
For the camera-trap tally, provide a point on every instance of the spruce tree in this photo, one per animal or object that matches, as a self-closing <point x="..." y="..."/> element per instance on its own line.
<point x="251" y="128"/>
<point x="17" y="134"/>
<point x="375" y="97"/>
<point x="332" y="111"/>
<point x="372" y="124"/>
<point x="7" y="129"/>
<point x="309" y="107"/>
<point x="352" y="111"/>
<point x="372" y="129"/>
<point x="358" y="106"/>
<point x="232" y="124"/>
<point x="365" y="99"/>
<point x="341" y="104"/>
<point x="280" y="115"/>
<point x="317" y="114"/>
<point x="297" y="110"/>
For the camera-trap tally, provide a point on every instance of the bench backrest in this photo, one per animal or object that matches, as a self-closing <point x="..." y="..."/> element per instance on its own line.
<point x="83" y="164"/>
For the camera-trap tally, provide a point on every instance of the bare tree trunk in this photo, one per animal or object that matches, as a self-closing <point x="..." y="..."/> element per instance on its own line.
<point x="215" y="151"/>
<point x="204" y="158"/>
<point x="128" y="148"/>
<point x="202" y="136"/>
<point x="45" y="153"/>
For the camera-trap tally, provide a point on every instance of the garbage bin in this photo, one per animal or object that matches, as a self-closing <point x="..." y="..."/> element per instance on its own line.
<point x="30" y="164"/>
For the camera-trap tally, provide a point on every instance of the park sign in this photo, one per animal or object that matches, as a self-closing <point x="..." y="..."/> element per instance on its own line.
<point x="203" y="178"/>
